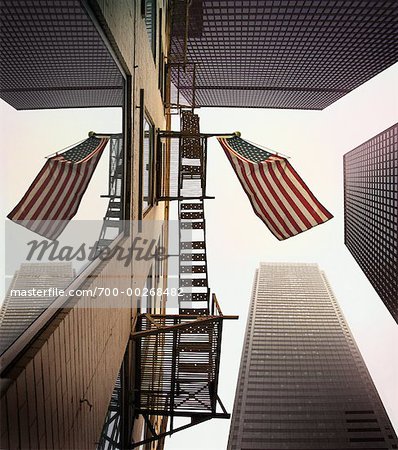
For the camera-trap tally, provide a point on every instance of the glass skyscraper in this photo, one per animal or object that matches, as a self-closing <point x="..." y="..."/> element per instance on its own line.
<point x="371" y="212"/>
<point x="302" y="381"/>
<point x="21" y="308"/>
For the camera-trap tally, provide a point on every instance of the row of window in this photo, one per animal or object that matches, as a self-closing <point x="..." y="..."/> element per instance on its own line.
<point x="154" y="23"/>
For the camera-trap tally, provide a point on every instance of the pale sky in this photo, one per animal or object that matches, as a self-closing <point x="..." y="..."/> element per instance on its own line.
<point x="237" y="240"/>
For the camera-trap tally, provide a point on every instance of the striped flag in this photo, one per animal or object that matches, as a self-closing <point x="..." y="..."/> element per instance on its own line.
<point x="55" y="195"/>
<point x="279" y="197"/>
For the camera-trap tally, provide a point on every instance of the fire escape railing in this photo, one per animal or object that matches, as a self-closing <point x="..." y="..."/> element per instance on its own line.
<point x="183" y="380"/>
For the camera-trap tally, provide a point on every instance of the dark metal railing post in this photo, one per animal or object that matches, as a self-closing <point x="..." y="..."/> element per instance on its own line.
<point x="217" y="358"/>
<point x="138" y="357"/>
<point x="173" y="375"/>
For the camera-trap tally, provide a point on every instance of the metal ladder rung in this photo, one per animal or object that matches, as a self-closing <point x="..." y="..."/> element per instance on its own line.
<point x="195" y="245"/>
<point x="191" y="170"/>
<point x="192" y="206"/>
<point x="191" y="215"/>
<point x="113" y="214"/>
<point x="194" y="297"/>
<point x="195" y="282"/>
<point x="191" y="153"/>
<point x="192" y="269"/>
<point x="192" y="225"/>
<point x="193" y="257"/>
<point x="113" y="223"/>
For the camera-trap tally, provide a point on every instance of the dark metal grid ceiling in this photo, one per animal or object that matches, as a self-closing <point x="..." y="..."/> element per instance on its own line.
<point x="53" y="57"/>
<point x="283" y="54"/>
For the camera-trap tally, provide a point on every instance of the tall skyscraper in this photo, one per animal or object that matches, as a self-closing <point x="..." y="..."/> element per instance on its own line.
<point x="21" y="308"/>
<point x="302" y="382"/>
<point x="371" y="212"/>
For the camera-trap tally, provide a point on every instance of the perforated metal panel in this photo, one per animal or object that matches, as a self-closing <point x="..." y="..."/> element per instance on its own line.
<point x="53" y="57"/>
<point x="302" y="54"/>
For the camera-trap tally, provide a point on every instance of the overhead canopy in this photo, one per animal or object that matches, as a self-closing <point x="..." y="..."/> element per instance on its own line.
<point x="53" y="57"/>
<point x="301" y="54"/>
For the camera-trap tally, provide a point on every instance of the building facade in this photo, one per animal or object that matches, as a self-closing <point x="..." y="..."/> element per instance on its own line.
<point x="302" y="381"/>
<point x="371" y="212"/>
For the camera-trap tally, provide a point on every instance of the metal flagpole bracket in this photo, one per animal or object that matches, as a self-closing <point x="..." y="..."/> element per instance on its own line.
<point x="182" y="134"/>
<point x="103" y="135"/>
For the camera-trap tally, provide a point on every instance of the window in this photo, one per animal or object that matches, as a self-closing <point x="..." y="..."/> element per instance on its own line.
<point x="152" y="293"/>
<point x="150" y="23"/>
<point x="162" y="66"/>
<point x="147" y="299"/>
<point x="147" y="164"/>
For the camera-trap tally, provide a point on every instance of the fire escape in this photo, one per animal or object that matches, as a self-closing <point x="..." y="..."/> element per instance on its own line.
<point x="112" y="225"/>
<point x="177" y="356"/>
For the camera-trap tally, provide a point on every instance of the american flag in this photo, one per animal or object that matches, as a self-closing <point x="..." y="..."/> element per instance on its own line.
<point x="55" y="195"/>
<point x="278" y="195"/>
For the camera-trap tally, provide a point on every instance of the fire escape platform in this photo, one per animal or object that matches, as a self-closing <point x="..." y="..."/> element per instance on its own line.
<point x="182" y="377"/>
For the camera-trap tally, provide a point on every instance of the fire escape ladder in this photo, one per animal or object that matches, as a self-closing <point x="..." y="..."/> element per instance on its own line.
<point x="193" y="276"/>
<point x="112" y="223"/>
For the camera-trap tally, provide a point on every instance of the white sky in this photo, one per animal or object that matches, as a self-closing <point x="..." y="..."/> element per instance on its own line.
<point x="237" y="239"/>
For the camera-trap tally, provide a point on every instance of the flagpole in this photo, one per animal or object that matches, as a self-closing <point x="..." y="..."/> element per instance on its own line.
<point x="90" y="134"/>
<point x="103" y="135"/>
<point x="63" y="149"/>
<point x="176" y="134"/>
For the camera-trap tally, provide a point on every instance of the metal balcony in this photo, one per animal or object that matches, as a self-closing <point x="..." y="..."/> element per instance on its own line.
<point x="178" y="362"/>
